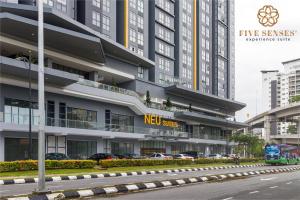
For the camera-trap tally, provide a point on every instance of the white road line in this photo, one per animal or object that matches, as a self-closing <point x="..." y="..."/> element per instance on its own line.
<point x="268" y="179"/>
<point x="253" y="192"/>
<point x="273" y="187"/>
<point x="289" y="183"/>
<point x="2" y="191"/>
<point x="228" y="198"/>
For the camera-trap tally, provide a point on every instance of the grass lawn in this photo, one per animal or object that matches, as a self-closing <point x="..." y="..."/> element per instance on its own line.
<point x="56" y="172"/>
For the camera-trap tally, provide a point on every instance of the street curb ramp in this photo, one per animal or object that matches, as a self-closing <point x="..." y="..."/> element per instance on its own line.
<point x="126" y="188"/>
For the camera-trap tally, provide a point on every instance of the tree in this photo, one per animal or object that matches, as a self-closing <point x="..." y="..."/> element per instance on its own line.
<point x="168" y="103"/>
<point x="292" y="129"/>
<point x="248" y="143"/>
<point x="148" y="98"/>
<point x="294" y="99"/>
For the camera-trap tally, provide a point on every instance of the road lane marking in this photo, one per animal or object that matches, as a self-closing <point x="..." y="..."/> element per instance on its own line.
<point x="172" y="174"/>
<point x="268" y="179"/>
<point x="289" y="182"/>
<point x="273" y="187"/>
<point x="2" y="191"/>
<point x="228" y="198"/>
<point x="253" y="192"/>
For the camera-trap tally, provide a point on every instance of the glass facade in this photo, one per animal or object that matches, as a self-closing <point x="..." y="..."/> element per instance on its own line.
<point x="17" y="149"/>
<point x="122" y="148"/>
<point x="150" y="147"/>
<point x="81" y="149"/>
<point x="17" y="112"/>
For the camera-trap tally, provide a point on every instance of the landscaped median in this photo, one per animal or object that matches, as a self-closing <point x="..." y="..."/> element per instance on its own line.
<point x="134" y="187"/>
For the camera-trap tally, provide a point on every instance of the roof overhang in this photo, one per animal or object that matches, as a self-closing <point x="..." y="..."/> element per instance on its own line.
<point x="212" y="101"/>
<point x="60" y="39"/>
<point x="55" y="18"/>
<point x="18" y="68"/>
<point x="209" y="120"/>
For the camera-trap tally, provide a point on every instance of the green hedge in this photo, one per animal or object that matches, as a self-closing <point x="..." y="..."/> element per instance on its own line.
<point x="152" y="162"/>
<point x="25" y="165"/>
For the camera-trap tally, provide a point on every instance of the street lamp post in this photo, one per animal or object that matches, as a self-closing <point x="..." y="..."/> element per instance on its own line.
<point x="41" y="93"/>
<point x="28" y="60"/>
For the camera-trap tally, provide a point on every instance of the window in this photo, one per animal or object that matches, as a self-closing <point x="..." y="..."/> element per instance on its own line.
<point x="189" y="74"/>
<point x="160" y="32"/>
<point x="140" y="38"/>
<point x="140" y="72"/>
<point x="48" y="2"/>
<point x="189" y="61"/>
<point x="184" y="72"/>
<point x="132" y="4"/>
<point x="189" y="34"/>
<point x="96" y="3"/>
<point x="140" y="6"/>
<point x="61" y="5"/>
<point x="105" y="23"/>
<point x="189" y="20"/>
<point x="167" y="21"/>
<point x="161" y="48"/>
<point x="189" y="8"/>
<point x="184" y="18"/>
<point x="184" y="59"/>
<point x="140" y="52"/>
<point x="105" y="5"/>
<point x="168" y="36"/>
<point x="96" y="18"/>
<point x="140" y="22"/>
<point x="167" y="51"/>
<point x="161" y="63"/>
<point x="132" y="35"/>
<point x="167" y="6"/>
<point x="167" y="65"/>
<point x="132" y="18"/>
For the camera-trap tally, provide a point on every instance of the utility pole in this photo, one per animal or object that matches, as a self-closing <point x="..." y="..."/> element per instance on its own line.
<point x="41" y="133"/>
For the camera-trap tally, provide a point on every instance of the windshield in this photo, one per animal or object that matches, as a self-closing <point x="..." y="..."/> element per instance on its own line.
<point x="272" y="149"/>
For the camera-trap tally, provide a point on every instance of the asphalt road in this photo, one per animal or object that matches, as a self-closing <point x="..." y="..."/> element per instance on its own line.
<point x="17" y="189"/>
<point x="283" y="186"/>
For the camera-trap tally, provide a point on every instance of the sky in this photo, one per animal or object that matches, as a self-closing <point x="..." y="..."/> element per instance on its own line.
<point x="252" y="57"/>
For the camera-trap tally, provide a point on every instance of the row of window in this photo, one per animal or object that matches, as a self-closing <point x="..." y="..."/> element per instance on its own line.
<point x="164" y="34"/>
<point x="165" y="4"/>
<point x="137" y="4"/>
<point x="187" y="6"/>
<point x="60" y="4"/>
<point x="104" y="5"/>
<point x="101" y="20"/>
<point x="136" y="36"/>
<point x="136" y="20"/>
<point x="164" y="19"/>
<point x="164" y="64"/>
<point x="164" y="49"/>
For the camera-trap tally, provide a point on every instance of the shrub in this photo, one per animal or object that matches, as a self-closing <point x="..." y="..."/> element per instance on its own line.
<point x="152" y="162"/>
<point x="25" y="165"/>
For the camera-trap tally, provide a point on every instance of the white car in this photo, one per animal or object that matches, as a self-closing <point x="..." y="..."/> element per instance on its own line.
<point x="183" y="157"/>
<point x="161" y="156"/>
<point x="215" y="156"/>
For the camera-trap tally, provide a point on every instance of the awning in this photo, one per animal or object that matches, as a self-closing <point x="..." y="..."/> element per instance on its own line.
<point x="62" y="40"/>
<point x="53" y="17"/>
<point x="212" y="101"/>
<point x="209" y="120"/>
<point x="19" y="68"/>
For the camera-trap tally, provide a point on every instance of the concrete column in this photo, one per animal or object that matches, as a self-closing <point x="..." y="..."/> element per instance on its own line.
<point x="1" y="147"/>
<point x="137" y="148"/>
<point x="100" y="146"/>
<point x="168" y="148"/>
<point x="267" y="127"/>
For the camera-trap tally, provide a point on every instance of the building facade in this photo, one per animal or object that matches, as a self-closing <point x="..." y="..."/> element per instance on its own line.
<point x="101" y="59"/>
<point x="278" y="88"/>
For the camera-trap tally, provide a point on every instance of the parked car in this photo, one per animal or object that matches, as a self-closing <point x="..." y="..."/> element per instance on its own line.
<point x="128" y="156"/>
<point x="102" y="156"/>
<point x="194" y="154"/>
<point x="162" y="156"/>
<point x="215" y="156"/>
<point x="183" y="157"/>
<point x="56" y="156"/>
<point x="228" y="156"/>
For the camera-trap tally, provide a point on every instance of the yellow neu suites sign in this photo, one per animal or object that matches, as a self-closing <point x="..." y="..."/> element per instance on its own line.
<point x="158" y="121"/>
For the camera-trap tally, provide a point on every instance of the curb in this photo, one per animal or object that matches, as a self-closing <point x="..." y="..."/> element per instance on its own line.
<point x="126" y="188"/>
<point x="105" y="175"/>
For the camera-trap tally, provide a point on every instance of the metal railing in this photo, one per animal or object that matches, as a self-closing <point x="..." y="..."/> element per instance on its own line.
<point x="80" y="124"/>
